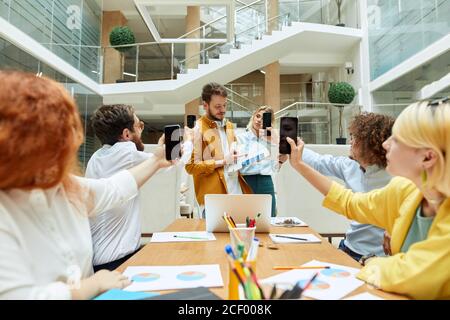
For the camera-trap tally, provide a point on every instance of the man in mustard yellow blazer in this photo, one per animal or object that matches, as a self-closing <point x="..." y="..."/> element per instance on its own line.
<point x="214" y="149"/>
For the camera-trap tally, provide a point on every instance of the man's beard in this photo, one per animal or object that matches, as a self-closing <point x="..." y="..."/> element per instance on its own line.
<point x="212" y="117"/>
<point x="139" y="144"/>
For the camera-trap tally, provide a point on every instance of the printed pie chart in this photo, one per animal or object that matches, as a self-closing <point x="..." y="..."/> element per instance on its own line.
<point x="191" y="276"/>
<point x="335" y="273"/>
<point x="315" y="285"/>
<point x="145" y="277"/>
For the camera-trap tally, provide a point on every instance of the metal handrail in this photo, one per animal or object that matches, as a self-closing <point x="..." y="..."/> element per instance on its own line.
<point x="264" y="22"/>
<point x="241" y="96"/>
<point x="206" y="49"/>
<point x="318" y="103"/>
<point x="392" y="104"/>
<point x="241" y="106"/>
<point x="199" y="53"/>
<point x="220" y="18"/>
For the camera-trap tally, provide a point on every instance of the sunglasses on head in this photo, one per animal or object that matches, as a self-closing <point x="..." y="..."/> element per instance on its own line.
<point x="437" y="102"/>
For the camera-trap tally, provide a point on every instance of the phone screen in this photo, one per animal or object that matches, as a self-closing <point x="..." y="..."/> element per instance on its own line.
<point x="191" y="120"/>
<point x="288" y="128"/>
<point x="267" y="121"/>
<point x="172" y="137"/>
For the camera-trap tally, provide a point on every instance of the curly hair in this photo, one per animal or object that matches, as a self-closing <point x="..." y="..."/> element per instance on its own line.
<point x="369" y="131"/>
<point x="40" y="132"/>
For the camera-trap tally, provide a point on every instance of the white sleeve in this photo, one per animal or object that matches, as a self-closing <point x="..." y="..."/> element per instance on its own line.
<point x="16" y="281"/>
<point x="108" y="193"/>
<point x="141" y="156"/>
<point x="188" y="147"/>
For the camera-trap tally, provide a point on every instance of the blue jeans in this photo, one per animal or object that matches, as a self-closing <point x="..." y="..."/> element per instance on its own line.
<point x="353" y="254"/>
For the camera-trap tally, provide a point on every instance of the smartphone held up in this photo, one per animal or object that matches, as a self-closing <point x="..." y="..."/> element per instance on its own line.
<point x="172" y="140"/>
<point x="288" y="128"/>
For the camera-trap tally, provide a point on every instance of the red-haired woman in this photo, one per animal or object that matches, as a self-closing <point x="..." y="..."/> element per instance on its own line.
<point x="45" y="240"/>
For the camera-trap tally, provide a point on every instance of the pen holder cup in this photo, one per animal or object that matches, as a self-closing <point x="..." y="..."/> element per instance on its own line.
<point x="235" y="290"/>
<point x="242" y="235"/>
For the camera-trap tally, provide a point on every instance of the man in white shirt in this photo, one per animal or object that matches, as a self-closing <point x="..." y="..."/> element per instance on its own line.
<point x="116" y="233"/>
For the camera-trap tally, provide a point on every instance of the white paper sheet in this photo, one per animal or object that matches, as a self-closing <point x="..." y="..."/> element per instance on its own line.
<point x="331" y="284"/>
<point x="287" y="222"/>
<point x="182" y="236"/>
<point x="364" y="296"/>
<point x="151" y="278"/>
<point x="310" y="238"/>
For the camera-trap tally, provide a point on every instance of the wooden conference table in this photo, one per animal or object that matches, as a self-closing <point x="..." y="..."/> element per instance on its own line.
<point x="212" y="252"/>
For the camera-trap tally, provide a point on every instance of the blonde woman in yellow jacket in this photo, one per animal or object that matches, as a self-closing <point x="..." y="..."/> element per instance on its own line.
<point x="414" y="207"/>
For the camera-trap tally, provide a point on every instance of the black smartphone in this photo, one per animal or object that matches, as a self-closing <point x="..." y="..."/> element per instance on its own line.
<point x="267" y="121"/>
<point x="288" y="128"/>
<point x="172" y="140"/>
<point x="191" y="118"/>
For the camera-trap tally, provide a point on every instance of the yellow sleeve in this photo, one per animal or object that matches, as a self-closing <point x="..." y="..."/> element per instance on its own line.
<point x="198" y="166"/>
<point x="379" y="207"/>
<point x="423" y="272"/>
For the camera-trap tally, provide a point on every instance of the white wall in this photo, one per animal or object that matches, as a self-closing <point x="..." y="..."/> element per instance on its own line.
<point x="296" y="197"/>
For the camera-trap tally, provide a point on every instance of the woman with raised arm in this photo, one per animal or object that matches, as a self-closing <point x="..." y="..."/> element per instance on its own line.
<point x="414" y="207"/>
<point x="45" y="239"/>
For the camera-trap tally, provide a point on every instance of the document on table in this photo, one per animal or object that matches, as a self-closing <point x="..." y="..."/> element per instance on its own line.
<point x="182" y="236"/>
<point x="294" y="238"/>
<point x="331" y="284"/>
<point x="154" y="278"/>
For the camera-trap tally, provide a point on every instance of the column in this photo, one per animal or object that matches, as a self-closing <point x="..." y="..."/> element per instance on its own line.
<point x="192" y="49"/>
<point x="272" y="85"/>
<point x="192" y="23"/>
<point x="112" y="59"/>
<point x="272" y="71"/>
<point x="191" y="108"/>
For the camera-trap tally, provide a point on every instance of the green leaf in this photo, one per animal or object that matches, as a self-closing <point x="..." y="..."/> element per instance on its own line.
<point x="121" y="36"/>
<point x="341" y="93"/>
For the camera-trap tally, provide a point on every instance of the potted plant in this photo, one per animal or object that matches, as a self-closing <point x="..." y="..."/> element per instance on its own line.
<point x="339" y="5"/>
<point x="119" y="36"/>
<point x="341" y="93"/>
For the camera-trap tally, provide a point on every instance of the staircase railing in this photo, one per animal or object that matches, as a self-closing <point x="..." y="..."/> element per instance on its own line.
<point x="318" y="121"/>
<point x="250" y="105"/>
<point x="164" y="60"/>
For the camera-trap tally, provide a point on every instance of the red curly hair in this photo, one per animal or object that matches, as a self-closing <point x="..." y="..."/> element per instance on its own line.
<point x="40" y="132"/>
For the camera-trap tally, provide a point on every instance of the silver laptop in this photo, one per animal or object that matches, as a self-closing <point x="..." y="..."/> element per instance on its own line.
<point x="238" y="206"/>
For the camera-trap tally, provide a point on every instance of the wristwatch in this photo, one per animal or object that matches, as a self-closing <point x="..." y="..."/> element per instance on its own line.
<point x="365" y="258"/>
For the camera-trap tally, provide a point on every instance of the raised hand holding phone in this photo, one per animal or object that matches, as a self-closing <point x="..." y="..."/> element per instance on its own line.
<point x="172" y="134"/>
<point x="267" y="122"/>
<point x="288" y="128"/>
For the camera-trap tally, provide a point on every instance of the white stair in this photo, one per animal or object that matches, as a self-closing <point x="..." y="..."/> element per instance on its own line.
<point x="239" y="62"/>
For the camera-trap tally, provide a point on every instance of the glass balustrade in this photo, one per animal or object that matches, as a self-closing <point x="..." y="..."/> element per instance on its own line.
<point x="72" y="30"/>
<point x="318" y="123"/>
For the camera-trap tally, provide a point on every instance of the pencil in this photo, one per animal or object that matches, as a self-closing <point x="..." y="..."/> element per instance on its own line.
<point x="190" y="237"/>
<point x="308" y="284"/>
<point x="299" y="267"/>
<point x="232" y="221"/>
<point x="288" y="237"/>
